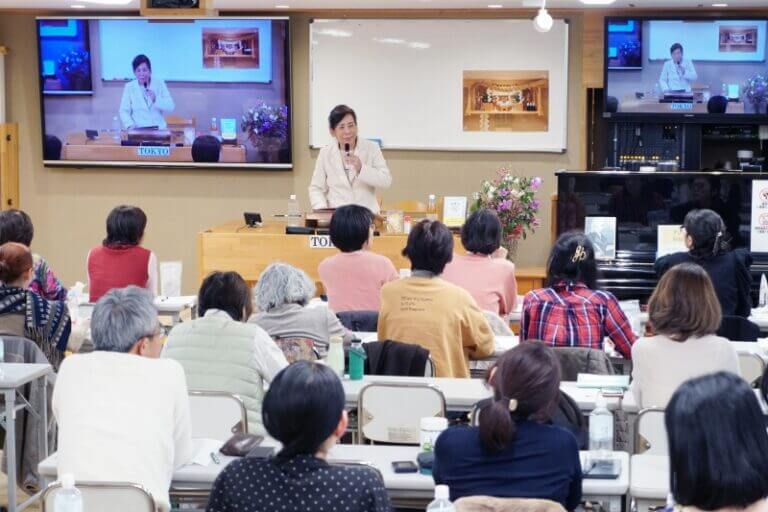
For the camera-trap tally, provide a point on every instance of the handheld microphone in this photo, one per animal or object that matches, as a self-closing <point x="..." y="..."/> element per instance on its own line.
<point x="346" y="148"/>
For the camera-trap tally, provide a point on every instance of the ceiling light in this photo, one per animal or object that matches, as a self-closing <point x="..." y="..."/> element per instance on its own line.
<point x="543" y="21"/>
<point x="107" y="2"/>
<point x="719" y="5"/>
<point x="282" y="7"/>
<point x="597" y="2"/>
<point x="77" y="6"/>
<point x="419" y="46"/>
<point x="495" y="6"/>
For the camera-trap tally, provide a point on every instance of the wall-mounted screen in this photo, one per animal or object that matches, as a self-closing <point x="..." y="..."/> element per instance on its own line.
<point x="693" y="67"/>
<point x="165" y="92"/>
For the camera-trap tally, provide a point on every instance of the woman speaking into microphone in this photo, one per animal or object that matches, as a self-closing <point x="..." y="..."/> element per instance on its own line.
<point x="349" y="169"/>
<point x="145" y="100"/>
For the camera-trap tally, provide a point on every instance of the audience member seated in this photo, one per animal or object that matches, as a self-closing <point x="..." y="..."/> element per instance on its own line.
<point x="572" y="312"/>
<point x="220" y="352"/>
<point x="426" y="310"/>
<point x="353" y="278"/>
<point x="25" y="313"/>
<point x="304" y="410"/>
<point x="718" y="446"/>
<point x="513" y="453"/>
<point x="16" y="226"/>
<point x="52" y="148"/>
<point x="121" y="261"/>
<point x="282" y="295"/>
<point x="684" y="314"/>
<point x="709" y="245"/>
<point x="123" y="413"/>
<point x="206" y="149"/>
<point x="484" y="271"/>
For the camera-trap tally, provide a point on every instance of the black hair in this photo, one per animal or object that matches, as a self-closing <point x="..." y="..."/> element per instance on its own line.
<point x="350" y="227"/>
<point x="572" y="260"/>
<point x="717" y="105"/>
<point x="16" y="226"/>
<point x="481" y="232"/>
<point x="676" y="46"/>
<point x="718" y="444"/>
<point x="141" y="59"/>
<point x="52" y="148"/>
<point x="302" y="408"/>
<point x="338" y="113"/>
<point x="228" y="292"/>
<point x="206" y="148"/>
<point x="429" y="247"/>
<point x="125" y="226"/>
<point x="707" y="230"/>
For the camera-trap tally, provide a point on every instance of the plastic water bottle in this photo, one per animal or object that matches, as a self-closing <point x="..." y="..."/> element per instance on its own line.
<point x="601" y="430"/>
<point x="441" y="503"/>
<point x="294" y="213"/>
<point x="69" y="499"/>
<point x="214" y="126"/>
<point x="432" y="207"/>
<point x="356" y="360"/>
<point x="116" y="127"/>
<point x="335" y="358"/>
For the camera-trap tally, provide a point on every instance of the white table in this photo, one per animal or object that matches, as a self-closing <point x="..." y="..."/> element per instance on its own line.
<point x="172" y="307"/>
<point x="14" y="377"/>
<point x="649" y="480"/>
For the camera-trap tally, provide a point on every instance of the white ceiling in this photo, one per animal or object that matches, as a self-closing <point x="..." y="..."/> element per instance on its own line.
<point x="261" y="5"/>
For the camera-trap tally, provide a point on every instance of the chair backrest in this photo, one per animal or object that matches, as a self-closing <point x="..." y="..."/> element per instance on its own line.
<point x="358" y="464"/>
<point x="490" y="504"/>
<point x="752" y="367"/>
<point x="359" y="321"/>
<point x="737" y="328"/>
<point x="298" y="349"/>
<point x="216" y="415"/>
<point x="498" y="325"/>
<point x="101" y="496"/>
<point x="576" y="360"/>
<point x="429" y="368"/>
<point x="651" y="433"/>
<point x="379" y="421"/>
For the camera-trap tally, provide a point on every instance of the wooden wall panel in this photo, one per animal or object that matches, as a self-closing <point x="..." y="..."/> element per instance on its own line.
<point x="9" y="166"/>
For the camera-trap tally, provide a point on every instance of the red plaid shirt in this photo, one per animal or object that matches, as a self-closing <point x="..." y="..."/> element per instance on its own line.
<point x="572" y="315"/>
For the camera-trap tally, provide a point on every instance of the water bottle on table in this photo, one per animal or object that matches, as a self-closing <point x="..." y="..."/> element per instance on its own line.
<point x="600" y="430"/>
<point x="335" y="358"/>
<point x="356" y="360"/>
<point x="441" y="503"/>
<point x="293" y="213"/>
<point x="69" y="498"/>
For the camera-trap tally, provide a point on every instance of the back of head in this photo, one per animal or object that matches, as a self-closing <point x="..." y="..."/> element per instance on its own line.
<point x="122" y="317"/>
<point x="707" y="230"/>
<point x="481" y="232"/>
<point x="718" y="445"/>
<point x="684" y="303"/>
<point x="125" y="226"/>
<point x="302" y="408"/>
<point x="16" y="226"/>
<point x="429" y="247"/>
<point x="206" y="148"/>
<point x="717" y="105"/>
<point x="572" y="260"/>
<point x="526" y="385"/>
<point x="52" y="148"/>
<point x="350" y="227"/>
<point x="15" y="259"/>
<point x="282" y="284"/>
<point x="228" y="292"/>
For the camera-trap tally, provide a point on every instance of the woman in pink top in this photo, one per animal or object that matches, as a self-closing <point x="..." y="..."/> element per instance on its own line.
<point x="484" y="271"/>
<point x="353" y="278"/>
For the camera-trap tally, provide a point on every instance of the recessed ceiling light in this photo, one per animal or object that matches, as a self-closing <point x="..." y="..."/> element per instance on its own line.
<point x="77" y="6"/>
<point x="495" y="6"/>
<point x="282" y="7"/>
<point x="107" y="2"/>
<point x="597" y="2"/>
<point x="720" y="5"/>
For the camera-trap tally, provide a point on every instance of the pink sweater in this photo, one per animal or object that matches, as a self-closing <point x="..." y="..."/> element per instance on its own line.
<point x="353" y="280"/>
<point x="491" y="281"/>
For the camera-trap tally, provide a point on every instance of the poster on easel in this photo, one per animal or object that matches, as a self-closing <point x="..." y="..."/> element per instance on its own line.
<point x="759" y="222"/>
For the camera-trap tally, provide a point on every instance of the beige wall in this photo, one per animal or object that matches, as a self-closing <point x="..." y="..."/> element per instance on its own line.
<point x="69" y="206"/>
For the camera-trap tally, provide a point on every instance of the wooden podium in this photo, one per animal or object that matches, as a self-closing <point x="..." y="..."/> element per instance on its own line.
<point x="248" y="251"/>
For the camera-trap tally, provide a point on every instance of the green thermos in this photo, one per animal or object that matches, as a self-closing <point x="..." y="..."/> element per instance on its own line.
<point x="356" y="360"/>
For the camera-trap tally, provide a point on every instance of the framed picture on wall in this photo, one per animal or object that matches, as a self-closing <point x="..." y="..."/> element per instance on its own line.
<point x="601" y="231"/>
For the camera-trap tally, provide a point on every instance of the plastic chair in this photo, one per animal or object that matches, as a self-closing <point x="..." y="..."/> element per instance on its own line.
<point x="490" y="504"/>
<point x="216" y="415"/>
<point x="380" y="421"/>
<point x="101" y="496"/>
<point x="752" y="367"/>
<point x="651" y="433"/>
<point x="429" y="368"/>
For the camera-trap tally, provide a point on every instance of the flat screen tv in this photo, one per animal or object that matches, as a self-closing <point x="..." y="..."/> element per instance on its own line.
<point x="696" y="68"/>
<point x="208" y="93"/>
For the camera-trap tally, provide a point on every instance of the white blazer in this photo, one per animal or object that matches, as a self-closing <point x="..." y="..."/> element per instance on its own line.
<point x="136" y="109"/>
<point x="330" y="187"/>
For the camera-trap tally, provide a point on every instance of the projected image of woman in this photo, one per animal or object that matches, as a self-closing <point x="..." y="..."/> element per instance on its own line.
<point x="678" y="73"/>
<point x="146" y="100"/>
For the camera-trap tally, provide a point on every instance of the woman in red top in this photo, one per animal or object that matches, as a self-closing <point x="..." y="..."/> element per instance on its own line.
<point x="121" y="261"/>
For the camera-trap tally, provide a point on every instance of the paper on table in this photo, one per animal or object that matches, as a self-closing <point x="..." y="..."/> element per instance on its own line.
<point x="586" y="380"/>
<point x="670" y="238"/>
<point x="202" y="449"/>
<point x="170" y="278"/>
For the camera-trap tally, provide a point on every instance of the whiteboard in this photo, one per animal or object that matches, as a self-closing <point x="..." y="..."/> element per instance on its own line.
<point x="405" y="79"/>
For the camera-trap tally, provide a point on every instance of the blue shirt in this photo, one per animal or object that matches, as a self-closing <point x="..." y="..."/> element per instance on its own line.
<point x="541" y="462"/>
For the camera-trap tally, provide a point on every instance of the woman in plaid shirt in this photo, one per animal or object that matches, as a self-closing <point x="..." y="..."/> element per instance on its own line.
<point x="572" y="312"/>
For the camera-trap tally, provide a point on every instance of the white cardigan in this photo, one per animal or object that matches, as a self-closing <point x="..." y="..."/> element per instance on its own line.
<point x="330" y="187"/>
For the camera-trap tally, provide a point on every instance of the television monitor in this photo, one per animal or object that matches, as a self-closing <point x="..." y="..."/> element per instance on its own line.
<point x="202" y="92"/>
<point x="694" y="68"/>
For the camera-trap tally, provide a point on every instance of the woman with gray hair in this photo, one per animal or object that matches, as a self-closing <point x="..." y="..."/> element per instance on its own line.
<point x="282" y="295"/>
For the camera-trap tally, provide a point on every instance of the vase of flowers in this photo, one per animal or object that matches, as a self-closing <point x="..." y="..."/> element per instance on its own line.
<point x="266" y="127"/>
<point x="513" y="199"/>
<point x="74" y="68"/>
<point x="756" y="90"/>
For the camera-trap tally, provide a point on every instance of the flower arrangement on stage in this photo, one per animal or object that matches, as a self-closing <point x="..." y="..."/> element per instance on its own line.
<point x="266" y="125"/>
<point x="513" y="198"/>
<point x="756" y="90"/>
<point x="74" y="66"/>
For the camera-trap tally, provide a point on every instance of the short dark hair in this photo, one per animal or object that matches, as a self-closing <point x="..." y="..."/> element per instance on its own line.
<point x="529" y="374"/>
<point x="16" y="226"/>
<point x="481" y="232"/>
<point x="676" y="46"/>
<point x="52" y="148"/>
<point x="350" y="227"/>
<point x="718" y="445"/>
<point x="338" y="113"/>
<point x="302" y="408"/>
<point x="15" y="259"/>
<point x="429" y="247"/>
<point x="141" y="59"/>
<point x="228" y="292"/>
<point x="125" y="226"/>
<point x="206" y="148"/>
<point x="572" y="260"/>
<point x="707" y="230"/>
